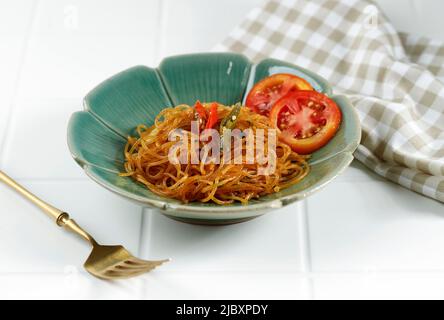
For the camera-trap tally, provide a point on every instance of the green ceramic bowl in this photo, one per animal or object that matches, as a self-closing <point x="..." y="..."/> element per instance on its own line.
<point x="96" y="136"/>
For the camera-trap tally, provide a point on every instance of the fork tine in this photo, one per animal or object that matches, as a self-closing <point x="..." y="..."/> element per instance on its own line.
<point x="126" y="270"/>
<point x="113" y="274"/>
<point x="125" y="267"/>
<point x="135" y="260"/>
<point x="132" y="267"/>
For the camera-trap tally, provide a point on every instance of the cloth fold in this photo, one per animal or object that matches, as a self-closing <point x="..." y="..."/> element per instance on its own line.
<point x="394" y="80"/>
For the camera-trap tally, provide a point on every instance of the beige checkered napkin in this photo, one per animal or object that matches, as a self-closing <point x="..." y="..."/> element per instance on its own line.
<point x="395" y="81"/>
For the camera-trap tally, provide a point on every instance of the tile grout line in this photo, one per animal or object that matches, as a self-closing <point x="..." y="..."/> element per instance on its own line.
<point x="145" y="244"/>
<point x="304" y="237"/>
<point x="150" y="213"/>
<point x="51" y="180"/>
<point x="418" y="273"/>
<point x="17" y="80"/>
<point x="141" y="233"/>
<point x="145" y="211"/>
<point x="161" y="34"/>
<point x="417" y="9"/>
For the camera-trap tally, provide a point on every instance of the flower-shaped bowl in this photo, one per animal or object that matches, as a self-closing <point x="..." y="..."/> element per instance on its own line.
<point x="97" y="135"/>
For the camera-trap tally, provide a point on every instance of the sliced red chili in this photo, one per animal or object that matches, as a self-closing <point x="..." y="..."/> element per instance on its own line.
<point x="200" y="110"/>
<point x="213" y="118"/>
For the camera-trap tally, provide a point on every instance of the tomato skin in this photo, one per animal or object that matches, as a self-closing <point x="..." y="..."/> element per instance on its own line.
<point x="266" y="92"/>
<point x="330" y="114"/>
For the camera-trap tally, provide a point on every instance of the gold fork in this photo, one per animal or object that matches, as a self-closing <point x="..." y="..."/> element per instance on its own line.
<point x="104" y="262"/>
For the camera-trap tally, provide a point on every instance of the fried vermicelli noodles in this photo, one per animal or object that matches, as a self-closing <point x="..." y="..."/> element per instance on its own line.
<point x="147" y="161"/>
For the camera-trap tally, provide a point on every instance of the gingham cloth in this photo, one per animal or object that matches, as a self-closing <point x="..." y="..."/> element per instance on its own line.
<point x="395" y="81"/>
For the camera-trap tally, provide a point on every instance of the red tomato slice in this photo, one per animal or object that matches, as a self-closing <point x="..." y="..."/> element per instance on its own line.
<point x="266" y="92"/>
<point x="307" y="120"/>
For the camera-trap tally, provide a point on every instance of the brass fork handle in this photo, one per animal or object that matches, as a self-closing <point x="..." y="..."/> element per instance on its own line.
<point x="60" y="217"/>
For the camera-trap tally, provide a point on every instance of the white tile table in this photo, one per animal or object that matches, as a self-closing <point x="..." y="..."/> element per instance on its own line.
<point x="361" y="237"/>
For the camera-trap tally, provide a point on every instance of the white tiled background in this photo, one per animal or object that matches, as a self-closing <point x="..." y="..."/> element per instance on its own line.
<point x="360" y="237"/>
